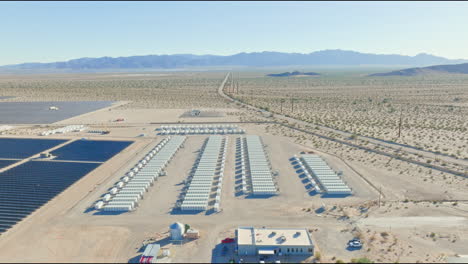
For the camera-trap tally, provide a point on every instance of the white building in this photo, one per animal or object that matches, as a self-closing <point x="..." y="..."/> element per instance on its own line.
<point x="273" y="241"/>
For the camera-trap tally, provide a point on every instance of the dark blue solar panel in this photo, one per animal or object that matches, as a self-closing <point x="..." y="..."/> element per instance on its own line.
<point x="39" y="112"/>
<point x="20" y="148"/>
<point x="25" y="188"/>
<point x="90" y="150"/>
<point x="4" y="163"/>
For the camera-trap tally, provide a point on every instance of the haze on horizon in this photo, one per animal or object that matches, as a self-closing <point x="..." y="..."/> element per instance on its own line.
<point x="60" y="31"/>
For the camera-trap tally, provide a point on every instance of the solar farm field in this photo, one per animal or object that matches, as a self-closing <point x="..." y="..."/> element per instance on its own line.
<point x="90" y="150"/>
<point x="39" y="112"/>
<point x="20" y="148"/>
<point x="30" y="185"/>
<point x="27" y="187"/>
<point x="5" y="163"/>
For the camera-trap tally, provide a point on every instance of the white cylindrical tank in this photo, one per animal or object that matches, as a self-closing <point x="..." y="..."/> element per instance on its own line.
<point x="131" y="174"/>
<point x="177" y="231"/>
<point x="125" y="179"/>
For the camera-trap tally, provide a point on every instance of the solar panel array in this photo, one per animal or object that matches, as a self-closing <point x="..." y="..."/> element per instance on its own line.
<point x="40" y="113"/>
<point x="127" y="192"/>
<point x="199" y="129"/>
<point x="259" y="167"/>
<point x="210" y="163"/>
<point x="28" y="186"/>
<point x="90" y="150"/>
<point x="327" y="178"/>
<point x="21" y="148"/>
<point x="6" y="163"/>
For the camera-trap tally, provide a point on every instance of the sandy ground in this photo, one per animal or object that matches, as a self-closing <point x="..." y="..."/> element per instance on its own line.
<point x="433" y="108"/>
<point x="415" y="221"/>
<point x="145" y="116"/>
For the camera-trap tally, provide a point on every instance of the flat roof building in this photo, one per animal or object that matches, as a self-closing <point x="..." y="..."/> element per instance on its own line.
<point x="274" y="241"/>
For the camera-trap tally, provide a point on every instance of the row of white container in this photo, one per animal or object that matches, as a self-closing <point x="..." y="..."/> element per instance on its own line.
<point x="201" y="126"/>
<point x="206" y="167"/>
<point x="201" y="131"/>
<point x="314" y="165"/>
<point x="5" y="128"/>
<point x="70" y="128"/>
<point x="259" y="167"/>
<point x="240" y="157"/>
<point x="141" y="181"/>
<point x="137" y="181"/>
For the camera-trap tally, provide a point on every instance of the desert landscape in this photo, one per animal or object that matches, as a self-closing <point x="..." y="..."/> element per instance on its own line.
<point x="432" y="109"/>
<point x="404" y="206"/>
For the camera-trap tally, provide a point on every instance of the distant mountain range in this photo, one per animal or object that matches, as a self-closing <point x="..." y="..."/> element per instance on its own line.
<point x="255" y="59"/>
<point x="437" y="69"/>
<point x="294" y="73"/>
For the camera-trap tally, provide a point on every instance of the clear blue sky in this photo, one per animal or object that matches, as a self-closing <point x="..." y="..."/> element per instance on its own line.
<point x="57" y="31"/>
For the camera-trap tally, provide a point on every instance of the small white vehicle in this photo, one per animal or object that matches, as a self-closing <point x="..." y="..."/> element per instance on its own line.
<point x="355" y="243"/>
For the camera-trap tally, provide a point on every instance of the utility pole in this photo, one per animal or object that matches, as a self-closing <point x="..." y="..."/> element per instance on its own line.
<point x="399" y="123"/>
<point x="281" y="101"/>
<point x="292" y="104"/>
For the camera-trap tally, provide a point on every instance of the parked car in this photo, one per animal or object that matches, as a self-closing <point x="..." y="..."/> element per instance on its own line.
<point x="228" y="240"/>
<point x="355" y="243"/>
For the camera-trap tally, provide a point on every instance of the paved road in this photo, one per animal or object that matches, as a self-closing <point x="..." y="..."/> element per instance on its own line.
<point x="387" y="144"/>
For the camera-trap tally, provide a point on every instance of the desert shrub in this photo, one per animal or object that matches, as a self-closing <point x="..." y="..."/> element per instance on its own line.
<point x="361" y="260"/>
<point x="317" y="255"/>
